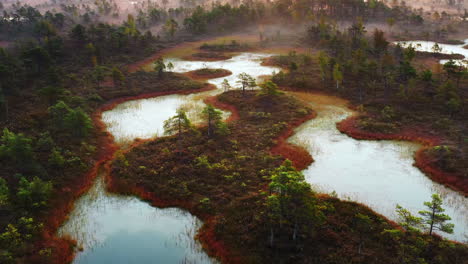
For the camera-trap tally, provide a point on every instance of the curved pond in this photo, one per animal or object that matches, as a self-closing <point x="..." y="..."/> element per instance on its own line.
<point x="428" y="46"/>
<point x="118" y="229"/>
<point x="379" y="174"/>
<point x="144" y="118"/>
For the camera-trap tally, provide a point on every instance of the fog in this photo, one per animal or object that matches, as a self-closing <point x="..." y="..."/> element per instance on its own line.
<point x="110" y="11"/>
<point x="448" y="6"/>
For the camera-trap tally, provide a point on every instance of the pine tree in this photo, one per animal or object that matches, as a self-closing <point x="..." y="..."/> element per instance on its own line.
<point x="337" y="75"/>
<point x="214" y="123"/>
<point x="434" y="218"/>
<point x="407" y="220"/>
<point x="117" y="76"/>
<point x="159" y="67"/>
<point x="177" y="124"/>
<point x="269" y="88"/>
<point x="225" y="84"/>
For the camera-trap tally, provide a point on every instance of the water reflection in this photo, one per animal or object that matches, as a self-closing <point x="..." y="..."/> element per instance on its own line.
<point x="429" y="46"/>
<point x="121" y="229"/>
<point x="377" y="173"/>
<point x="144" y="118"/>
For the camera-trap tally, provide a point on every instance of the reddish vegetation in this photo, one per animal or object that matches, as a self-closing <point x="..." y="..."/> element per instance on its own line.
<point x="208" y="56"/>
<point x="67" y="195"/>
<point x="214" y="246"/>
<point x="300" y="157"/>
<point x="213" y="100"/>
<point x="424" y="163"/>
<point x="269" y="62"/>
<point x="63" y="247"/>
<point x="349" y="127"/>
<point x="206" y="234"/>
<point x="201" y="76"/>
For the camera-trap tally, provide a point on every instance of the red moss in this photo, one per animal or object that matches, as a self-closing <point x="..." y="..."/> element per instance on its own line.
<point x="454" y="181"/>
<point x="214" y="246"/>
<point x="300" y="157"/>
<point x="213" y="100"/>
<point x="62" y="205"/>
<point x="196" y="75"/>
<point x="194" y="57"/>
<point x="207" y="236"/>
<point x="270" y="62"/>
<point x="64" y="200"/>
<point x="422" y="161"/>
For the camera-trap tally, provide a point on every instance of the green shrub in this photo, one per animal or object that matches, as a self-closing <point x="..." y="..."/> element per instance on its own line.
<point x="56" y="160"/>
<point x="378" y="127"/>
<point x="4" y="193"/>
<point x="388" y="113"/>
<point x="16" y="147"/>
<point x="33" y="194"/>
<point x="45" y="142"/>
<point x="205" y="204"/>
<point x="202" y="162"/>
<point x="73" y="121"/>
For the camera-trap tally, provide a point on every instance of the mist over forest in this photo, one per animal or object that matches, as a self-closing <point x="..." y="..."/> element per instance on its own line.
<point x="236" y="131"/>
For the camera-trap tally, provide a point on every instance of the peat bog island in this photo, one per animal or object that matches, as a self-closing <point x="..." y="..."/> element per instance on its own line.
<point x="233" y="131"/>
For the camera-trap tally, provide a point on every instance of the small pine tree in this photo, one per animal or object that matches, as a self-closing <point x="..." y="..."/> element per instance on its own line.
<point x="337" y="75"/>
<point x="177" y="124"/>
<point x="33" y="194"/>
<point x="407" y="220"/>
<point x="117" y="76"/>
<point x="434" y="218"/>
<point x="16" y="147"/>
<point x="159" y="67"/>
<point x="269" y="88"/>
<point x="226" y="86"/>
<point x="4" y="193"/>
<point x="78" y="123"/>
<point x="170" y="66"/>
<point x="245" y="81"/>
<point x="213" y="118"/>
<point x="52" y="93"/>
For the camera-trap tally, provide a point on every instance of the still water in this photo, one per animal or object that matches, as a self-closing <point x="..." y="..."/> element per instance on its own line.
<point x="144" y="118"/>
<point x="118" y="229"/>
<point x="443" y="48"/>
<point x="379" y="174"/>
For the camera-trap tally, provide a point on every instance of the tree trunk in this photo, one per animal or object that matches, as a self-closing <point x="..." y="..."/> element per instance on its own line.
<point x="432" y="220"/>
<point x="209" y="124"/>
<point x="295" y="231"/>
<point x="180" y="126"/>
<point x="272" y="237"/>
